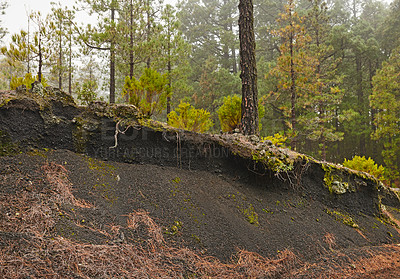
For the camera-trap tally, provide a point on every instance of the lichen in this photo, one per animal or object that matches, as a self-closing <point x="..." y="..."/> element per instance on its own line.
<point x="333" y="180"/>
<point x="272" y="161"/>
<point x="342" y="217"/>
<point x="79" y="138"/>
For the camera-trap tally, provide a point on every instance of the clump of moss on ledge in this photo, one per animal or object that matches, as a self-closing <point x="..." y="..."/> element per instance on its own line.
<point x="333" y="179"/>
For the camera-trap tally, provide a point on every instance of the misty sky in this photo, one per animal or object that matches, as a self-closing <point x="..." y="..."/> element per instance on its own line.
<point x="16" y="18"/>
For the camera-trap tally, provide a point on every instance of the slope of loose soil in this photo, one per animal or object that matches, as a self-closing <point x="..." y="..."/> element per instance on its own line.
<point x="162" y="203"/>
<point x="68" y="214"/>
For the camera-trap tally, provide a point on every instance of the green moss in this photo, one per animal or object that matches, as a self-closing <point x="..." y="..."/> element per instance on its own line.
<point x="39" y="152"/>
<point x="176" y="180"/>
<point x="251" y="215"/>
<point x="7" y="147"/>
<point x="342" y="217"/>
<point x="5" y="101"/>
<point x="275" y="162"/>
<point x="105" y="172"/>
<point x="100" y="166"/>
<point x="333" y="180"/>
<point x="154" y="125"/>
<point x="174" y="229"/>
<point x="79" y="136"/>
<point x="268" y="211"/>
<point x="197" y="239"/>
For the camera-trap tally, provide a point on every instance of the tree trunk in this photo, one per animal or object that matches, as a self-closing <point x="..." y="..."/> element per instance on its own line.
<point x="361" y="102"/>
<point x="29" y="52"/>
<point x="169" y="73"/>
<point x="249" y="120"/>
<point x="169" y="84"/>
<point x="40" y="60"/>
<point x="60" y="71"/>
<point x="293" y="94"/>
<point x="112" y="60"/>
<point x="70" y="64"/>
<point x="233" y="50"/>
<point x="131" y="63"/>
<point x="131" y="42"/>
<point x="148" y="62"/>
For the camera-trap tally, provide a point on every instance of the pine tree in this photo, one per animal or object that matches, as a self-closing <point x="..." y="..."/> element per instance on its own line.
<point x="22" y="49"/>
<point x="249" y="119"/>
<point x="185" y="116"/>
<point x="321" y="105"/>
<point x="3" y="7"/>
<point x="210" y="28"/>
<point x="294" y="69"/>
<point x="63" y="41"/>
<point x="103" y="37"/>
<point x="174" y="49"/>
<point x="386" y="100"/>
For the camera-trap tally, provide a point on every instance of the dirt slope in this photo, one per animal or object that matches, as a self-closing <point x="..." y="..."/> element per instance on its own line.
<point x="170" y="201"/>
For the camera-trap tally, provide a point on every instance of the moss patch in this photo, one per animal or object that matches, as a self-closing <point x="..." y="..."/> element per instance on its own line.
<point x="334" y="180"/>
<point x="342" y="217"/>
<point x="7" y="147"/>
<point x="251" y="215"/>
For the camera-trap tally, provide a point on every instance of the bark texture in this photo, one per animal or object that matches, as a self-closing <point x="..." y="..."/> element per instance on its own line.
<point x="249" y="120"/>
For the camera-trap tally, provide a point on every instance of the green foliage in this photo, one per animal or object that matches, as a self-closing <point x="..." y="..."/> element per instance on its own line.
<point x="251" y="215"/>
<point x="189" y="118"/>
<point x="27" y="80"/>
<point x="365" y="165"/>
<point x="230" y="113"/>
<point x="342" y="217"/>
<point x="87" y="92"/>
<point x="277" y="139"/>
<point x="149" y="93"/>
<point x="385" y="99"/>
<point x="174" y="229"/>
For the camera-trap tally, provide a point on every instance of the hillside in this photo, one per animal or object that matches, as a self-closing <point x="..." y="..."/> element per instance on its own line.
<point x="160" y="202"/>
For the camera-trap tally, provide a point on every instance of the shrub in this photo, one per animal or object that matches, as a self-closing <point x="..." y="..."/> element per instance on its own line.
<point x="230" y="113"/>
<point x="365" y="165"/>
<point x="189" y="118"/>
<point x="27" y="80"/>
<point x="278" y="139"/>
<point x="87" y="92"/>
<point x="149" y="93"/>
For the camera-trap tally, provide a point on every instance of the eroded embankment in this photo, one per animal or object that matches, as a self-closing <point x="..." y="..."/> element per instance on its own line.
<point x="215" y="193"/>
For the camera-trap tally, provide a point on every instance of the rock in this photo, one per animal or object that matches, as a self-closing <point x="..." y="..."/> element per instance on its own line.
<point x="60" y="95"/>
<point x="21" y="89"/>
<point x="339" y="187"/>
<point x="254" y="138"/>
<point x="37" y="88"/>
<point x="268" y="142"/>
